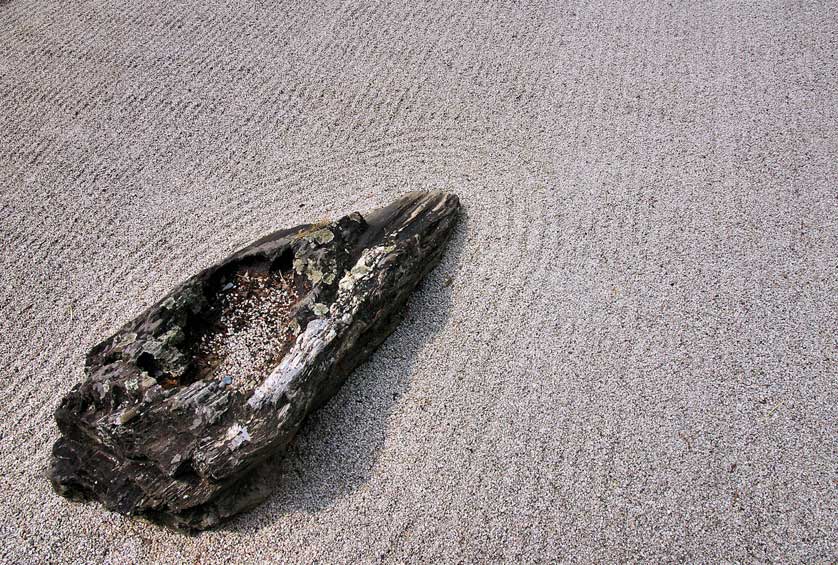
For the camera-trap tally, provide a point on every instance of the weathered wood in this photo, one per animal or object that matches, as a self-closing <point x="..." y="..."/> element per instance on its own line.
<point x="159" y="430"/>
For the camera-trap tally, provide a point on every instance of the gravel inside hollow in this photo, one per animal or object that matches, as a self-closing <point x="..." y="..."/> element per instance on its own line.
<point x="628" y="353"/>
<point x="254" y="312"/>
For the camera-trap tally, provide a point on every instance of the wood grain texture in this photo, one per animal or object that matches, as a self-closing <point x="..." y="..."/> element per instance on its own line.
<point x="148" y="434"/>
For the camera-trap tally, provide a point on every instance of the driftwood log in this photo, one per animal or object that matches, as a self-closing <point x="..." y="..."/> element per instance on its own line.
<point x="182" y="405"/>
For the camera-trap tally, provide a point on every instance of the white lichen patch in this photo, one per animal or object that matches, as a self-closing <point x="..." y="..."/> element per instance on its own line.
<point x="362" y="267"/>
<point x="347" y="282"/>
<point x="320" y="309"/>
<point x="237" y="435"/>
<point x="300" y="265"/>
<point x="314" y="275"/>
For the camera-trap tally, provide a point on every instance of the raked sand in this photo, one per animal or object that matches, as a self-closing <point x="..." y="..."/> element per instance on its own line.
<point x="636" y="357"/>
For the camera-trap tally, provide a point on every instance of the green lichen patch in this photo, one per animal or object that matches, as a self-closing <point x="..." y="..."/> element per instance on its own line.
<point x="314" y="275"/>
<point x="322" y="236"/>
<point x="316" y="271"/>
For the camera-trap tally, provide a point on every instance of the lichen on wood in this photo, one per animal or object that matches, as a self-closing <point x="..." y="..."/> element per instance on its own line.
<point x="182" y="405"/>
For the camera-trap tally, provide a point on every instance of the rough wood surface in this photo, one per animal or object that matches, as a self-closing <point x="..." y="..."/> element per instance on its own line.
<point x="158" y="431"/>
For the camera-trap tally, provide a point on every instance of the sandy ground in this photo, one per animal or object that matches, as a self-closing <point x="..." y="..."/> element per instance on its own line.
<point x="636" y="360"/>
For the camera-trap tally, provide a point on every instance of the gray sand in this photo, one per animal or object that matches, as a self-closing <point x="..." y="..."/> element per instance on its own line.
<point x="636" y="359"/>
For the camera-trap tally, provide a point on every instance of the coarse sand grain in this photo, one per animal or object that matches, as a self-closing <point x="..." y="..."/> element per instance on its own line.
<point x="253" y="329"/>
<point x="627" y="354"/>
